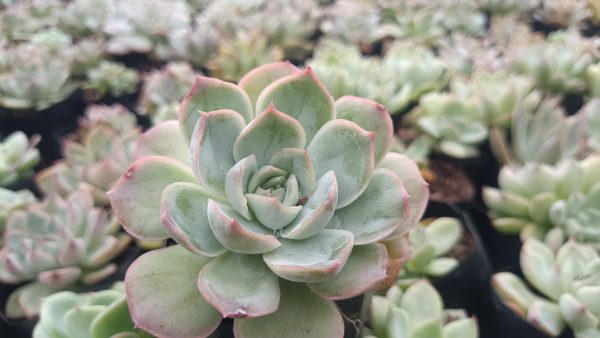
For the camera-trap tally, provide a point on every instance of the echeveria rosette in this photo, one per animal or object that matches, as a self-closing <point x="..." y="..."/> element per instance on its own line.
<point x="566" y="281"/>
<point x="548" y="202"/>
<point x="56" y="244"/>
<point x="283" y="208"/>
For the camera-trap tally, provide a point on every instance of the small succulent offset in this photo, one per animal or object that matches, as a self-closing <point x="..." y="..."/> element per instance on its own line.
<point x="543" y="133"/>
<point x="352" y="21"/>
<point x="430" y="242"/>
<point x="163" y="90"/>
<point x="18" y="156"/>
<point x="56" y="244"/>
<point x="417" y="312"/>
<point x="568" y="283"/>
<point x="99" y="314"/>
<point x="106" y="147"/>
<point x="456" y="126"/>
<point x="111" y="78"/>
<point x="282" y="209"/>
<point x="497" y="94"/>
<point x="558" y="64"/>
<point x="548" y="202"/>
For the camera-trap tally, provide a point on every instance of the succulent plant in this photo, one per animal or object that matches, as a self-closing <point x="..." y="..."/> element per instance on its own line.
<point x="163" y="90"/>
<point x="18" y="156"/>
<point x="111" y="78"/>
<point x="417" y="312"/>
<point x="503" y="7"/>
<point x="565" y="13"/>
<point x="497" y="94"/>
<point x="85" y="17"/>
<point x="31" y="78"/>
<point x="548" y="202"/>
<point x="20" y="20"/>
<point x="287" y="24"/>
<point x="195" y="43"/>
<point x="591" y="111"/>
<point x="352" y="21"/>
<point x="56" y="244"/>
<point x="99" y="156"/>
<point x="236" y="57"/>
<point x="543" y="134"/>
<point x="405" y="73"/>
<point x="567" y="288"/>
<point x="455" y="126"/>
<point x="464" y="55"/>
<point x="104" y="313"/>
<point x="593" y="79"/>
<point x="558" y="64"/>
<point x="430" y="242"/>
<point x="142" y="26"/>
<point x="279" y="210"/>
<point x="12" y="200"/>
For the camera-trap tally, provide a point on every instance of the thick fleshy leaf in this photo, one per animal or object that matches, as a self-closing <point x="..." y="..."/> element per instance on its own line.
<point x="164" y="139"/>
<point x="423" y="302"/>
<point x="212" y="147"/>
<point x="238" y="234"/>
<point x="184" y="214"/>
<point x="317" y="211"/>
<point x="365" y="268"/>
<point x="53" y="313"/>
<point x="513" y="292"/>
<point x="576" y="314"/>
<point x="537" y="263"/>
<point x="209" y="94"/>
<point x="303" y="97"/>
<point x="240" y="286"/>
<point x="79" y="319"/>
<point x="136" y="197"/>
<point x="236" y="185"/>
<point x="443" y="233"/>
<point x="271" y="212"/>
<point x="26" y="300"/>
<point x="113" y="320"/>
<point x="297" y="162"/>
<point x="259" y="78"/>
<point x="461" y="328"/>
<point x="546" y="316"/>
<point x="60" y="278"/>
<point x="311" y="260"/>
<point x="319" y="317"/>
<point x="163" y="297"/>
<point x="370" y="116"/>
<point x="347" y="149"/>
<point x="268" y="133"/>
<point x="380" y="210"/>
<point x="396" y="323"/>
<point x="415" y="185"/>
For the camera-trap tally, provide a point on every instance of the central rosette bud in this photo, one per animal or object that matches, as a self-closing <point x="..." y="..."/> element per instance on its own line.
<point x="272" y="185"/>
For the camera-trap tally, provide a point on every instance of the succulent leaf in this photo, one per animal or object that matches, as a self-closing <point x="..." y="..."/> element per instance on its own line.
<point x="255" y="81"/>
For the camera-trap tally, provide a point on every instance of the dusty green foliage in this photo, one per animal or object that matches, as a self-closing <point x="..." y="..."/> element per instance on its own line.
<point x="430" y="243"/>
<point x="566" y="281"/>
<point x="24" y="18"/>
<point x="85" y="17"/>
<point x="56" y="244"/>
<point x="405" y="73"/>
<point x="503" y="7"/>
<point x="352" y="21"/>
<point x="111" y="78"/>
<point x="417" y="311"/>
<point x="456" y="126"/>
<point x="18" y="156"/>
<point x="548" y="202"/>
<point x="143" y="26"/>
<point x="96" y="157"/>
<point x="12" y="200"/>
<point x="558" y="64"/>
<point x="99" y="314"/>
<point x="237" y="56"/>
<point x="163" y="90"/>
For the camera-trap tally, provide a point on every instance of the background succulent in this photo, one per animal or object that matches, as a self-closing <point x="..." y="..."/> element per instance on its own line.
<point x="85" y="17"/>
<point x="279" y="211"/>
<point x="12" y="200"/>
<point x="565" y="13"/>
<point x="111" y="78"/>
<point x="97" y="157"/>
<point x="163" y="90"/>
<point x="456" y="126"/>
<point x="551" y="202"/>
<point x="430" y="242"/>
<point x="104" y="313"/>
<point x="18" y="156"/>
<point x="417" y="312"/>
<point x="56" y="244"/>
<point x="567" y="288"/>
<point x="352" y="21"/>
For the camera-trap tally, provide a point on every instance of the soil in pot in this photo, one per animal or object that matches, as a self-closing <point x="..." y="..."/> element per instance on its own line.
<point x="448" y="183"/>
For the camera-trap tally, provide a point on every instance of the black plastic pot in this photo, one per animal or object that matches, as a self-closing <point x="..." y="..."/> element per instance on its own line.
<point x="23" y="328"/>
